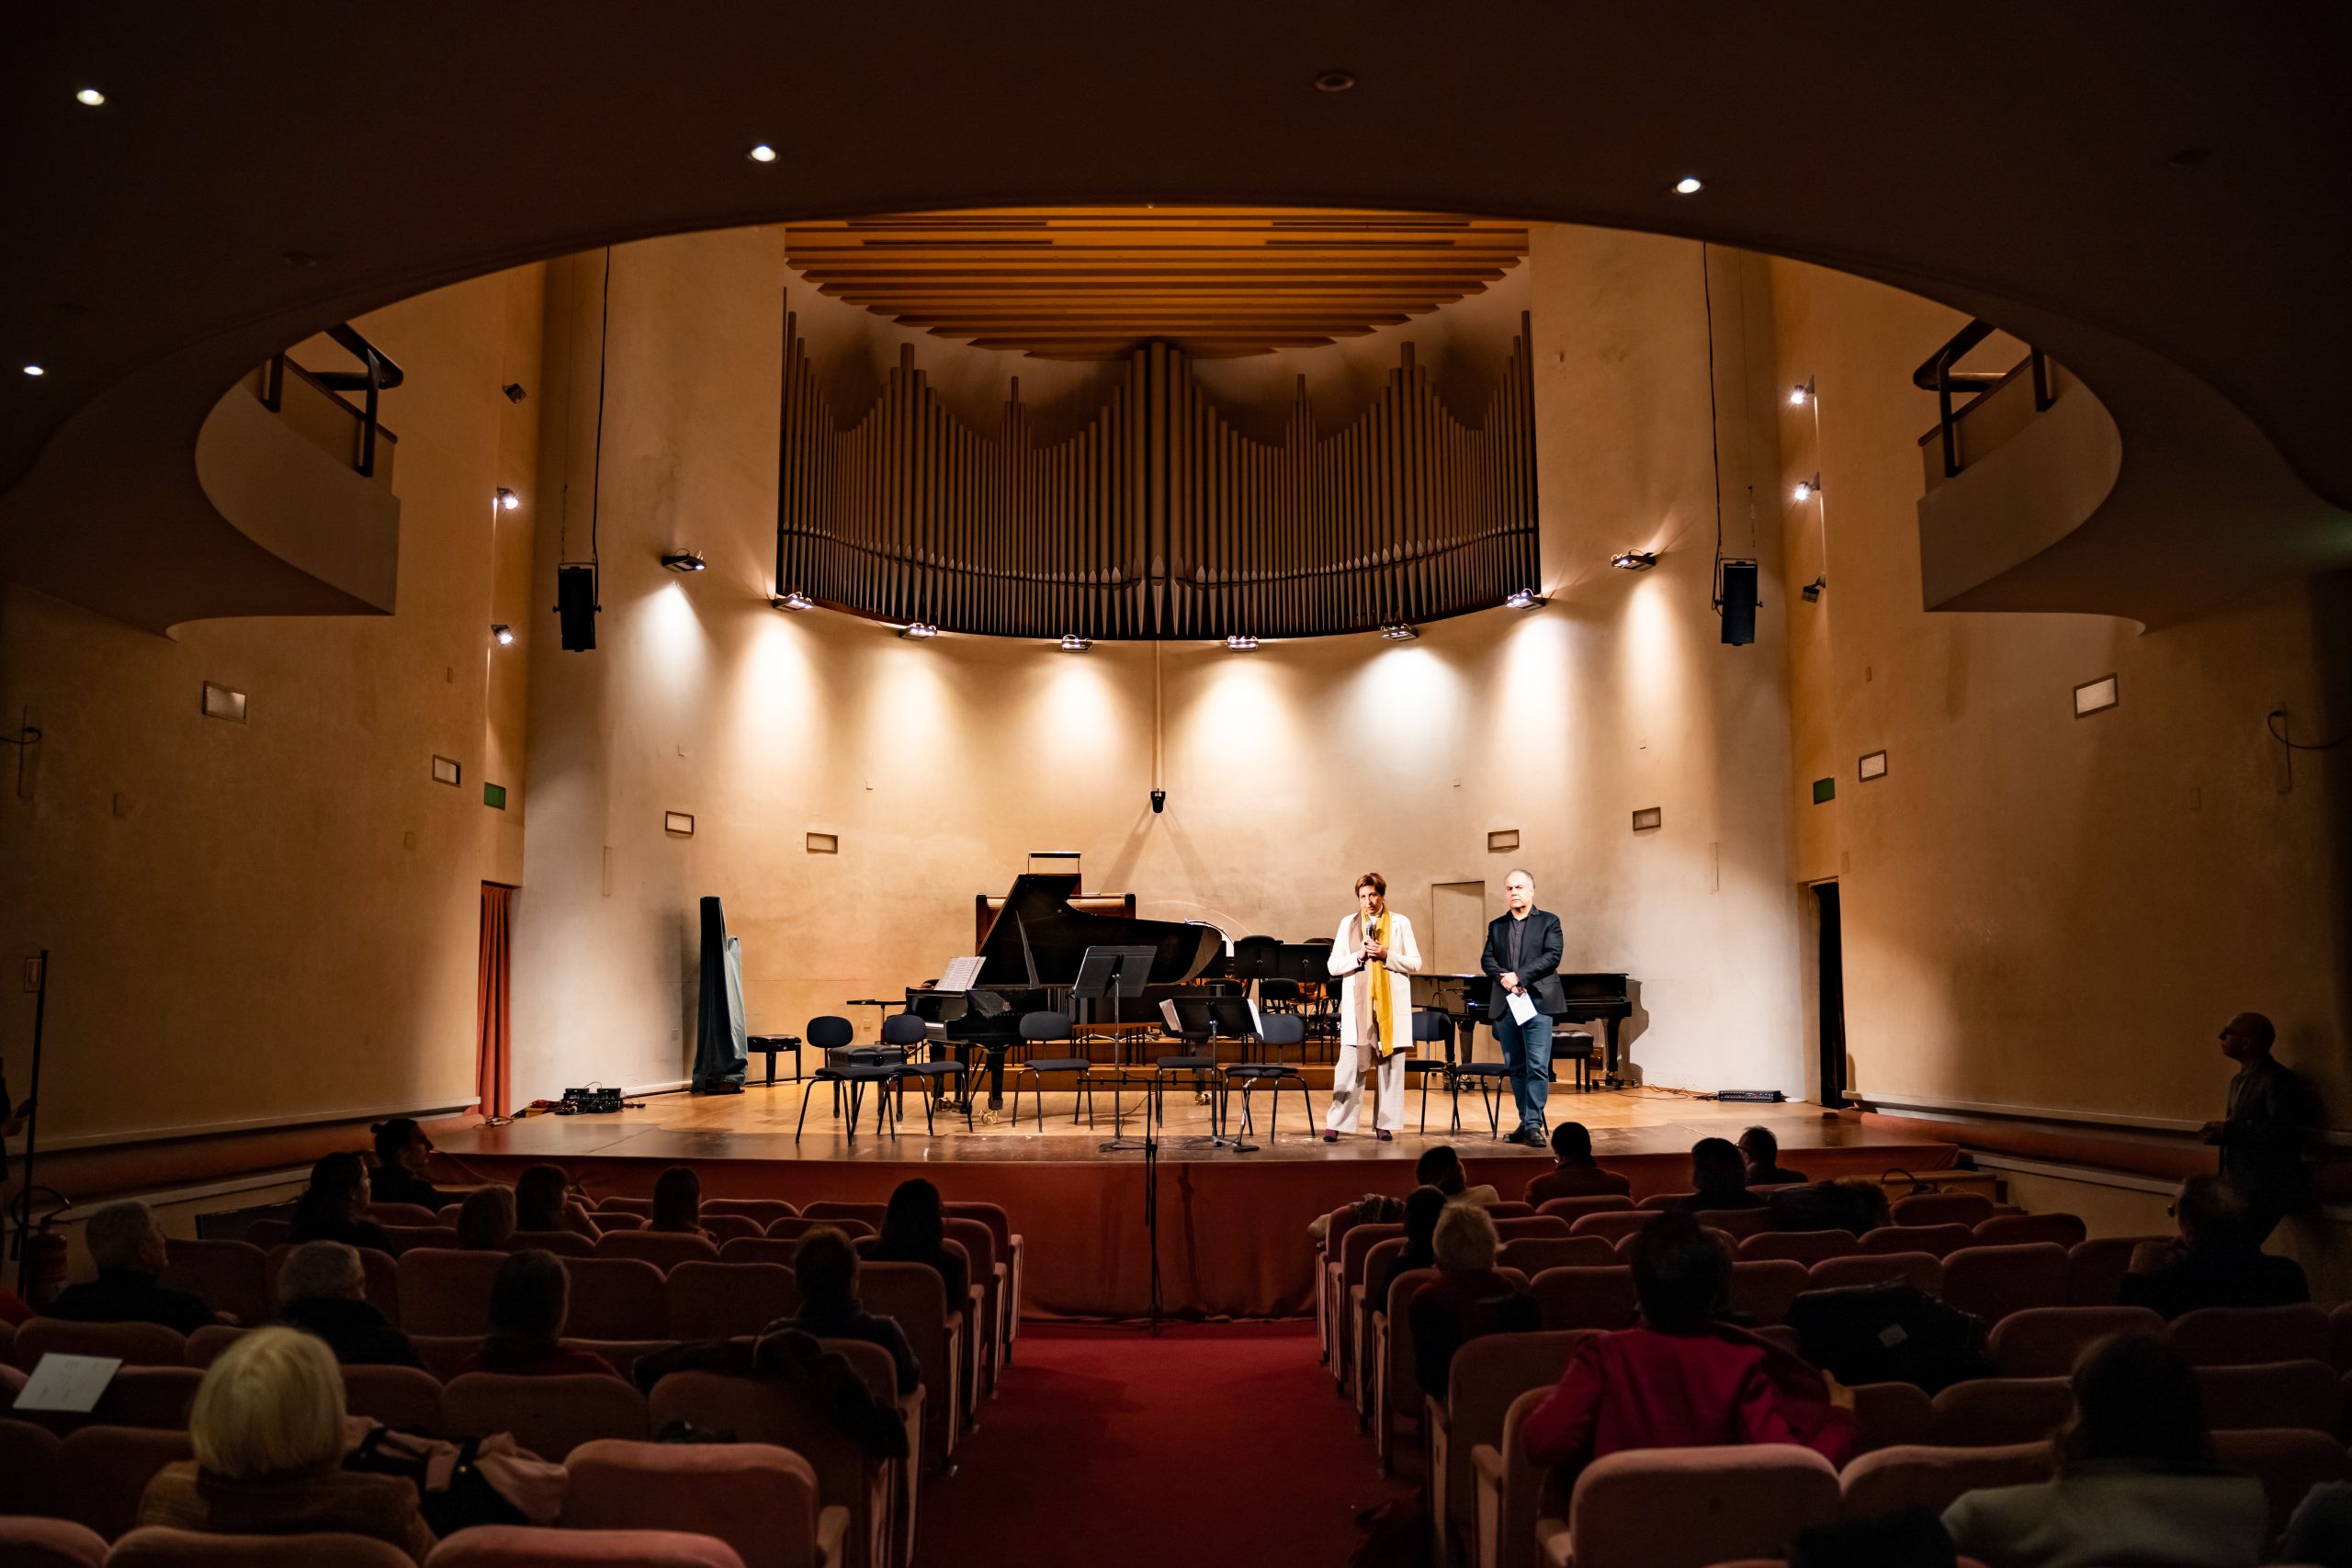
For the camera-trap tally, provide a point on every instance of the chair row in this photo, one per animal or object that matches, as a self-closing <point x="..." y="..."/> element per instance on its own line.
<point x="1742" y="1224"/>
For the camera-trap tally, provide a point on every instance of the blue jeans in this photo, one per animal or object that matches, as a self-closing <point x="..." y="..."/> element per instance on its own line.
<point x="1527" y="1052"/>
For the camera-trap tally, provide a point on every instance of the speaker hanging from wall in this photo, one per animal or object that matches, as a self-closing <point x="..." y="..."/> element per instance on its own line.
<point x="576" y="606"/>
<point x="1735" y="596"/>
<point x="575" y="581"/>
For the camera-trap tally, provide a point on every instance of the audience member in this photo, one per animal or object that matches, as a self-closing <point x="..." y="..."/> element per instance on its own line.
<point x="129" y="1247"/>
<point x="267" y="1429"/>
<point x="1467" y="1300"/>
<point x="529" y="1303"/>
<point x="1681" y="1378"/>
<point x="2135" y="1480"/>
<point x="677" y="1201"/>
<point x="334" y="1206"/>
<point x="2269" y="1122"/>
<point x="914" y="1230"/>
<point x="1718" y="1179"/>
<point x="1575" y="1176"/>
<point x="2216" y="1262"/>
<point x="486" y="1218"/>
<point x="404" y="1155"/>
<point x="1440" y="1167"/>
<point x="2319" y="1533"/>
<point x="1760" y="1148"/>
<point x="323" y="1289"/>
<point x="825" y="1265"/>
<point x="543" y="1201"/>
<point x="1423" y="1207"/>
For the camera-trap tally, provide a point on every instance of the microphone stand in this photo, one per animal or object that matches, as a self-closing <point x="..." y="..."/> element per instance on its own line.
<point x="24" y="1205"/>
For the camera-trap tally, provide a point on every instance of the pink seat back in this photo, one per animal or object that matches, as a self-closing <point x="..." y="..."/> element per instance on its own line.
<point x="148" y="1396"/>
<point x="722" y="1229"/>
<point x="526" y="1546"/>
<point x="760" y="1249"/>
<point x="1940" y="1208"/>
<point x="411" y="1213"/>
<point x="268" y="1234"/>
<point x="2095" y="1269"/>
<point x="105" y="1470"/>
<point x="404" y="1237"/>
<point x="204" y="1345"/>
<point x="1488" y="1376"/>
<point x="1723" y="1238"/>
<point x="758" y="1498"/>
<point x="1355" y="1250"/>
<point x="1917" y="1268"/>
<point x="1762" y="1290"/>
<point x="548" y="1416"/>
<point x="1402" y="1370"/>
<point x="992" y="1215"/>
<point x="623" y="1354"/>
<point x="719" y="1301"/>
<point x="1612" y="1226"/>
<point x="2288" y="1462"/>
<point x="2233" y="1337"/>
<point x="155" y="1547"/>
<point x="53" y="1544"/>
<point x="642" y="1207"/>
<point x="1511" y="1230"/>
<point x="2016" y="1230"/>
<point x="1738" y="1224"/>
<point x="1916" y="1476"/>
<point x="832" y="1209"/>
<point x="405" y="1398"/>
<point x="1532" y="1255"/>
<point x="1986" y="1412"/>
<point x="1573" y="1209"/>
<point x="1994" y="1281"/>
<point x="445" y="1355"/>
<point x="1509" y="1208"/>
<point x="616" y="1297"/>
<point x="2044" y="1342"/>
<point x="1891" y="1414"/>
<point x="915" y="1294"/>
<point x="2339" y="1330"/>
<point x="663" y="1249"/>
<point x="445" y="1292"/>
<point x="28" y="1468"/>
<point x="794" y="1227"/>
<point x="2274" y="1393"/>
<point x="134" y="1344"/>
<point x="1800" y="1246"/>
<point x="1935" y="1241"/>
<point x="563" y="1244"/>
<point x="1585" y="1297"/>
<point x="1693" y="1508"/>
<point x="761" y="1211"/>
<point x="231" y="1276"/>
<point x="770" y="1410"/>
<point x="1665" y="1201"/>
<point x="607" y="1221"/>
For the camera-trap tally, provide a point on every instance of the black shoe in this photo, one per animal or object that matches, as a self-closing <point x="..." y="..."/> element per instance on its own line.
<point x="1526" y="1139"/>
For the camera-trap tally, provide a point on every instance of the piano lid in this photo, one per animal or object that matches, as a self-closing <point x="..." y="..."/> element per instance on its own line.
<point x="1038" y="937"/>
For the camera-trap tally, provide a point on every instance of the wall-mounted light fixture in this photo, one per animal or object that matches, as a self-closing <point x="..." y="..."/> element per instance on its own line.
<point x="445" y="771"/>
<point x="761" y="154"/>
<point x="501" y="634"/>
<point x="1812" y="590"/>
<point x="507" y="500"/>
<point x="1073" y="643"/>
<point x="1802" y="393"/>
<point x="919" y="631"/>
<point x="1525" y="599"/>
<point x="1872" y="766"/>
<point x="1502" y="840"/>
<point x="1400" y="632"/>
<point x="1807" y="488"/>
<point x="683" y="560"/>
<point x="219" y="702"/>
<point x="792" y="599"/>
<point x="1242" y="643"/>
<point x="1633" y="560"/>
<point x="2094" y="696"/>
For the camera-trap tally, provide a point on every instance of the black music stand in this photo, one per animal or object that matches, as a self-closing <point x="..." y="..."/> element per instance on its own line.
<point x="1112" y="974"/>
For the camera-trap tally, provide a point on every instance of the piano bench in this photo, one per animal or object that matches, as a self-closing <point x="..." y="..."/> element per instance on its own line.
<point x="768" y="1045"/>
<point x="1573" y="1046"/>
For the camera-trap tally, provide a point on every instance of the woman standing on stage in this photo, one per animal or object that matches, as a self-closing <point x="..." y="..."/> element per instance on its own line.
<point x="1373" y="955"/>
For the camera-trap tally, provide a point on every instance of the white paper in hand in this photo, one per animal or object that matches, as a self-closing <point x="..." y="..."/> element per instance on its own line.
<point x="1522" y="1007"/>
<point x="70" y="1383"/>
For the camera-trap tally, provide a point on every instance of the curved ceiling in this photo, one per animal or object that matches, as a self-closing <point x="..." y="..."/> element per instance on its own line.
<point x="1094" y="282"/>
<point x="2147" y="190"/>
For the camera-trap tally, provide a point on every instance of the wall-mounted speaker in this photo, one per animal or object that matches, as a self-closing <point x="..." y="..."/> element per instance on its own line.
<point x="575" y="604"/>
<point x="1739" y="601"/>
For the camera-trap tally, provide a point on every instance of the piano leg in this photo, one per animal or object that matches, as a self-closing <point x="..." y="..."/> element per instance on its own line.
<point x="1613" y="1079"/>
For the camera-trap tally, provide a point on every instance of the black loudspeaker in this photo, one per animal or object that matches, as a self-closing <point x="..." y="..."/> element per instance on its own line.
<point x="575" y="602"/>
<point x="1739" y="601"/>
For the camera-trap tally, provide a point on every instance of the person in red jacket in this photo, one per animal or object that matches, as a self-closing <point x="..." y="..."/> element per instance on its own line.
<point x="1681" y="1379"/>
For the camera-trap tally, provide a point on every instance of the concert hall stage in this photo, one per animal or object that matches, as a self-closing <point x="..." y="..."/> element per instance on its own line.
<point x="1232" y="1226"/>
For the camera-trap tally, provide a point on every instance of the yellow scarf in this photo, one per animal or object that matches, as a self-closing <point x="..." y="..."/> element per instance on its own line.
<point x="1376" y="930"/>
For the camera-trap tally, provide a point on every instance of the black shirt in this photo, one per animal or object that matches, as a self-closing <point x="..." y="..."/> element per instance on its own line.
<point x="1775" y="1175"/>
<point x="2216" y="1276"/>
<point x="2262" y="1140"/>
<point x="854" y="1322"/>
<point x="354" y="1331"/>
<point x="132" y="1295"/>
<point x="394" y="1184"/>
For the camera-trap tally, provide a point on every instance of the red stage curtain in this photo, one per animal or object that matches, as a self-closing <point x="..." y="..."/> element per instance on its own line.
<point x="493" y="1040"/>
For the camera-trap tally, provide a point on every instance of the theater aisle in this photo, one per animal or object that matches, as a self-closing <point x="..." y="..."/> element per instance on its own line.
<point x="1216" y="1442"/>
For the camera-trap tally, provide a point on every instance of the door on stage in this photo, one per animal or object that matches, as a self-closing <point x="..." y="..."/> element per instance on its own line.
<point x="1830" y="978"/>
<point x="1458" y="938"/>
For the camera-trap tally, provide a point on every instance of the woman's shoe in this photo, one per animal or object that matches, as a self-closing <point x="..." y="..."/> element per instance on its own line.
<point x="1383" y="1134"/>
<point x="1329" y="1136"/>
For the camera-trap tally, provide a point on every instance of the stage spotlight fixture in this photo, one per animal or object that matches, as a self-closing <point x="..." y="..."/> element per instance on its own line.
<point x="1074" y="643"/>
<point x="1807" y="488"/>
<point x="515" y="393"/>
<point x="1400" y="632"/>
<point x="35" y="370"/>
<point x="1812" y="590"/>
<point x="507" y="500"/>
<point x="764" y="154"/>
<point x="90" y="97"/>
<point x="1688" y="185"/>
<point x="792" y="599"/>
<point x="683" y="560"/>
<point x="502" y="635"/>
<point x="1800" y="394"/>
<point x="1633" y="560"/>
<point x="919" y="631"/>
<point x="1242" y="643"/>
<point x="1525" y="599"/>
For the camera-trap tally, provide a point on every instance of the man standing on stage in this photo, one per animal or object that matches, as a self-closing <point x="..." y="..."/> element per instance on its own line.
<point x="1523" y="957"/>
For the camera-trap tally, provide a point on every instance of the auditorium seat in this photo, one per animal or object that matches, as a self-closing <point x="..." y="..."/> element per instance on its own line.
<point x="268" y="1234"/>
<point x="1665" y="1201"/>
<point x="1362" y="1368"/>
<point x="2305" y="1394"/>
<point x="204" y="1345"/>
<point x="133" y="1344"/>
<point x="1585" y="1297"/>
<point x="758" y="1498"/>
<point x="616" y="1298"/>
<point x="1486" y="1376"/>
<point x="903" y="1480"/>
<point x="1612" y="1226"/>
<point x="1935" y="1241"/>
<point x="1738" y="1224"/>
<point x="623" y="1354"/>
<point x="443" y="1291"/>
<point x="1397" y="1399"/>
<point x="1509" y="1208"/>
<point x="1912" y="1475"/>
<point x="155" y="1547"/>
<point x="607" y="1221"/>
<point x="1994" y="1281"/>
<point x="663" y="1249"/>
<point x="1009" y="1250"/>
<point x="231" y="1276"/>
<point x="404" y="1237"/>
<point x="2288" y="1463"/>
<point x="769" y="1410"/>
<point x="833" y="1209"/>
<point x="2339" y="1330"/>
<point x="528" y="1546"/>
<point x="642" y="1207"/>
<point x="1531" y="1255"/>
<point x="2044" y="1342"/>
<point x="157" y="1397"/>
<point x="1573" y="1209"/>
<point x="35" y="1543"/>
<point x="722" y="1229"/>
<point x="1691" y="1507"/>
<point x="985" y="1270"/>
<point x="381" y="1269"/>
<point x="445" y="1354"/>
<point x="718" y="1301"/>
<point x="1343" y="1277"/>
<point x="913" y="1293"/>
<point x="29" y="1482"/>
<point x="1891" y="1414"/>
<point x="1917" y="1269"/>
<point x="413" y="1214"/>
<point x="404" y="1398"/>
<point x="2095" y="1269"/>
<point x="761" y="1211"/>
<point x="1940" y="1208"/>
<point x="2233" y="1337"/>
<point x="1624" y="1248"/>
<point x="548" y="1416"/>
<point x="105" y="1472"/>
<point x="1515" y="1227"/>
<point x="563" y="1244"/>
<point x="2016" y="1230"/>
<point x="1507" y="1490"/>
<point x="1800" y="1246"/>
<point x="792" y="1227"/>
<point x="1762" y="1288"/>
<point x="760" y="1249"/>
<point x="1985" y="1413"/>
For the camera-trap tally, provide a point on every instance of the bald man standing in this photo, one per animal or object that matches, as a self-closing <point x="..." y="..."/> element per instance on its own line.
<point x="2269" y="1122"/>
<point x="1522" y="958"/>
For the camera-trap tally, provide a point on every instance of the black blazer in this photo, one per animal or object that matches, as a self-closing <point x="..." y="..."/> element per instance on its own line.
<point x="1539" y="968"/>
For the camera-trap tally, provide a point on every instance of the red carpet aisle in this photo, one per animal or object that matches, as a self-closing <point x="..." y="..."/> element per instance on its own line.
<point x="1216" y="1442"/>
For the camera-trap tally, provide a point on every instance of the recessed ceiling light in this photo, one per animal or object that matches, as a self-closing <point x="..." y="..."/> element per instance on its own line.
<point x="1633" y="560"/>
<point x="792" y="599"/>
<point x="1074" y="643"/>
<point x="1525" y="599"/>
<point x="919" y="631"/>
<point x="683" y="560"/>
<point x="35" y="370"/>
<point x="764" y="154"/>
<point x="90" y="96"/>
<point x="1335" y="80"/>
<point x="1688" y="185"/>
<point x="1242" y="643"/>
<point x="1399" y="632"/>
<point x="504" y="635"/>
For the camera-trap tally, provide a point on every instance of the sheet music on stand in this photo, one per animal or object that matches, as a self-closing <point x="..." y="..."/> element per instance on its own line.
<point x="960" y="974"/>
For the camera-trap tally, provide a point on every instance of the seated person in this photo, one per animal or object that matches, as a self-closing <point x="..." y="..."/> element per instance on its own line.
<point x="323" y="1289"/>
<point x="677" y="1202"/>
<point x="1423" y="1207"/>
<point x="1718" y="1179"/>
<point x="486" y="1218"/>
<point x="914" y="1230"/>
<point x="1438" y="1167"/>
<point x="2135" y="1482"/>
<point x="334" y="1206"/>
<point x="825" y="1265"/>
<point x="1467" y="1300"/>
<point x="2216" y="1262"/>
<point x="528" y="1301"/>
<point x="1681" y="1378"/>
<point x="1575" y="1176"/>
<point x="1855" y="1206"/>
<point x="129" y="1247"/>
<point x="543" y="1201"/>
<point x="403" y="1156"/>
<point x="267" y="1431"/>
<point x="1760" y="1147"/>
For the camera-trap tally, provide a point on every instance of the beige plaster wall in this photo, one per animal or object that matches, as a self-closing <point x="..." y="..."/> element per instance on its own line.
<point x="2042" y="911"/>
<point x="1288" y="771"/>
<point x="278" y="920"/>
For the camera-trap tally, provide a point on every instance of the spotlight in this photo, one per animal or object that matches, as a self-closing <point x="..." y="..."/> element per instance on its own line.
<point x="1633" y="560"/>
<point x="1686" y="186"/>
<point x="90" y="96"/>
<point x="1807" y="488"/>
<point x="1241" y="643"/>
<point x="683" y="560"/>
<point x="1074" y="643"/>
<point x="1800" y="394"/>
<point x="1400" y="632"/>
<point x="503" y="633"/>
<point x="507" y="500"/>
<point x="1812" y="590"/>
<point x="35" y="370"/>
<point x="764" y="154"/>
<point x="919" y="631"/>
<point x="1525" y="599"/>
<point x="515" y="393"/>
<point x="792" y="599"/>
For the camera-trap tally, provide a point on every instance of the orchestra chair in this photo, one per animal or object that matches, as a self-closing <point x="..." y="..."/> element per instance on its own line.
<point x="1691" y="1507"/>
<point x="231" y="1276"/>
<point x="906" y="1032"/>
<point x="1994" y="1281"/>
<point x="153" y="1546"/>
<point x="105" y="1472"/>
<point x="28" y="1481"/>
<point x="532" y="1546"/>
<point x="2286" y="1461"/>
<point x="1492" y="1080"/>
<point x="798" y="1420"/>
<point x="1891" y="1414"/>
<point x="31" y="1542"/>
<point x="758" y="1498"/>
<point x="407" y="1399"/>
<point x="1969" y="1209"/>
<point x="1573" y="1046"/>
<point x="1430" y="1026"/>
<point x="2209" y="1337"/>
<point x="1187" y="1022"/>
<point x="1585" y="1297"/>
<point x="845" y="1069"/>
<point x="2095" y="1269"/>
<point x="1986" y="1412"/>
<point x="2303" y="1394"/>
<point x="1281" y="1030"/>
<point x="548" y="1416"/>
<point x="2012" y="1230"/>
<point x="1916" y="1475"/>
<point x="1036" y="1028"/>
<point x="2044" y="1341"/>
<point x="768" y="1045"/>
<point x="722" y="1299"/>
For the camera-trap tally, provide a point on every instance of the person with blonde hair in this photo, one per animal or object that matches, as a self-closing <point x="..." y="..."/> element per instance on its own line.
<point x="1468" y="1300"/>
<point x="486" y="1218"/>
<point x="1373" y="955"/>
<point x="323" y="1289"/>
<point x="267" y="1431"/>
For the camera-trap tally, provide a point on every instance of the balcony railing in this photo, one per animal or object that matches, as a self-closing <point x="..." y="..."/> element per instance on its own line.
<point x="1938" y="374"/>
<point x="377" y="375"/>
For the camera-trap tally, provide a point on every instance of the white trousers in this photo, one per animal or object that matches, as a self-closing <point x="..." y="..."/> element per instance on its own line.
<point x="1347" y="1089"/>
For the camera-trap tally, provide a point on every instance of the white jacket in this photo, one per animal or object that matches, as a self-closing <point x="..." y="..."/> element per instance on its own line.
<point x="1355" y="990"/>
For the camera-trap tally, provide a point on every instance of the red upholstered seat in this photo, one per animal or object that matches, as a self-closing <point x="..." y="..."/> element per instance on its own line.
<point x="642" y="1207"/>
<point x="443" y="1291"/>
<point x="1532" y="1255"/>
<point x="718" y="1301"/>
<point x="1761" y="1290"/>
<point x="36" y="1543"/>
<point x="1802" y="1247"/>
<point x="663" y="1249"/>
<point x="563" y="1244"/>
<point x="412" y="1214"/>
<point x="1692" y="1507"/>
<point x="157" y="1547"/>
<point x="1994" y="1281"/>
<point x="2339" y="1329"/>
<point x="2288" y="1463"/>
<point x="1891" y="1414"/>
<point x="134" y="1344"/>
<point x="1664" y="1200"/>
<point x="1585" y="1297"/>
<point x="794" y="1227"/>
<point x="148" y="1396"/>
<point x="1739" y="1224"/>
<point x="616" y="1298"/>
<point x="1624" y="1248"/>
<point x="204" y="1345"/>
<point x="525" y="1546"/>
<point x="548" y="1416"/>
<point x="232" y="1276"/>
<point x="769" y="1410"/>
<point x="833" y="1208"/>
<point x="445" y="1354"/>
<point x="2015" y="1230"/>
<point x="606" y="1221"/>
<point x="1486" y="1376"/>
<point x="1995" y="1412"/>
<point x="758" y="1498"/>
<point x="269" y="1233"/>
<point x="2044" y="1342"/>
<point x="1509" y="1208"/>
<point x="1919" y="1268"/>
<point x="760" y="1249"/>
<point x="402" y="1397"/>
<point x="914" y="1293"/>
<point x="722" y="1229"/>
<point x="28" y="1468"/>
<point x="1530" y="1226"/>
<point x="404" y="1237"/>
<point x="2273" y="1393"/>
<point x="2095" y="1269"/>
<point x="1935" y="1241"/>
<point x="1573" y="1209"/>
<point x="1909" y="1475"/>
<point x="1613" y="1225"/>
<point x="1940" y="1208"/>
<point x="2233" y="1337"/>
<point x="105" y="1470"/>
<point x="762" y="1211"/>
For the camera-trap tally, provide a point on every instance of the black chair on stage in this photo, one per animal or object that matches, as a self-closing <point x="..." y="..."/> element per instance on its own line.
<point x="1274" y="1032"/>
<point x="1574" y="1046"/>
<point x="904" y="1031"/>
<point x="1430" y="1025"/>
<point x="1036" y="1028"/>
<point x="1492" y="1079"/>
<point x="1187" y="1019"/>
<point x="850" y="1068"/>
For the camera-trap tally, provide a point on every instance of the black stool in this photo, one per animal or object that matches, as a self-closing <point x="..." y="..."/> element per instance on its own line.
<point x="1574" y="1046"/>
<point x="768" y="1045"/>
